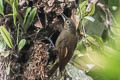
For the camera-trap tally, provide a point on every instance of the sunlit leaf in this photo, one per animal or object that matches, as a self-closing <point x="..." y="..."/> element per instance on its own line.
<point x="6" y="36"/>
<point x="110" y="52"/>
<point x="10" y="14"/>
<point x="86" y="9"/>
<point x="89" y="18"/>
<point x="21" y="44"/>
<point x="82" y="8"/>
<point x="92" y="10"/>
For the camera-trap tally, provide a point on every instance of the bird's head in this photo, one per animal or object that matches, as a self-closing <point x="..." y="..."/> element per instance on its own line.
<point x="68" y="23"/>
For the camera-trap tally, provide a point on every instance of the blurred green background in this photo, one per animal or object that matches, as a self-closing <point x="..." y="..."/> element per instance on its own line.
<point x="101" y="47"/>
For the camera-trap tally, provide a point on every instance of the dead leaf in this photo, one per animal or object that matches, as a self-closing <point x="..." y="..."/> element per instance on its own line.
<point x="50" y="2"/>
<point x="21" y="2"/>
<point x="71" y="0"/>
<point x="75" y="18"/>
<point x="61" y="0"/>
<point x="38" y="24"/>
<point x="48" y="9"/>
<point x="62" y="5"/>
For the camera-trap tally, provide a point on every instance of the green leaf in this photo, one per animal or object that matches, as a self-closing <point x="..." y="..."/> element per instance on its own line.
<point x="95" y="43"/>
<point x="1" y="7"/>
<point x="10" y="2"/>
<point x="90" y="18"/>
<point x="10" y="14"/>
<point x="6" y="36"/>
<point x="86" y="9"/>
<point x="98" y="40"/>
<point x="26" y="14"/>
<point x="18" y="31"/>
<point x="82" y="8"/>
<point x="14" y="13"/>
<point x="81" y="47"/>
<point x="2" y="44"/>
<point x="5" y="53"/>
<point x="92" y="10"/>
<point x="110" y="52"/>
<point x="21" y="44"/>
<point x="30" y="19"/>
<point x="7" y="1"/>
<point x="16" y="4"/>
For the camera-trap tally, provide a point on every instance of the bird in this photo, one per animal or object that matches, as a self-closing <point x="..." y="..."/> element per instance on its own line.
<point x="65" y="45"/>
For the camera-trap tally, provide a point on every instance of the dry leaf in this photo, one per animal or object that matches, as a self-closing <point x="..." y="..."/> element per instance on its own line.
<point x="50" y="2"/>
<point x="61" y="0"/>
<point x="75" y="18"/>
<point x="48" y="9"/>
<point x="38" y="24"/>
<point x="71" y="0"/>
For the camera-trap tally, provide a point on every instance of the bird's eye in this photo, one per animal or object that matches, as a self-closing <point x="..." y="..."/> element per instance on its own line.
<point x="68" y="22"/>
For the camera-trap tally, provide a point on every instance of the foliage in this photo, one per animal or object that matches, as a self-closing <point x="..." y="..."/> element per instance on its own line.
<point x="15" y="11"/>
<point x="85" y="12"/>
<point x="29" y="17"/>
<point x="110" y="58"/>
<point x="18" y="22"/>
<point x="3" y="51"/>
<point x="6" y="36"/>
<point x="2" y="44"/>
<point x="1" y="7"/>
<point x="21" y="44"/>
<point x="11" y="2"/>
<point x="104" y="56"/>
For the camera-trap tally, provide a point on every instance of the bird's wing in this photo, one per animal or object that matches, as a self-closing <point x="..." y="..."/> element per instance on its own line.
<point x="63" y="52"/>
<point x="63" y="41"/>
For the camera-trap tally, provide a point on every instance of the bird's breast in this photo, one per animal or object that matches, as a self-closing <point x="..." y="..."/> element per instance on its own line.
<point x="65" y="39"/>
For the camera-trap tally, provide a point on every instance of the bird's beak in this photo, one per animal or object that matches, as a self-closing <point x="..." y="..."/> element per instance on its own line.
<point x="63" y="16"/>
